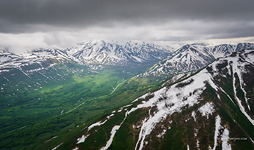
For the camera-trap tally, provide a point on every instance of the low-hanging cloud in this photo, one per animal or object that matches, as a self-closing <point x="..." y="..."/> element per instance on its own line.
<point x="64" y="22"/>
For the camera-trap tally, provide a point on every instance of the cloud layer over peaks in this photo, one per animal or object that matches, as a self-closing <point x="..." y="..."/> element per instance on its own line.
<point x="164" y="20"/>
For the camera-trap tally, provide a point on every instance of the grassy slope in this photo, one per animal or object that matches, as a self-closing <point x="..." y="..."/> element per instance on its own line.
<point x="35" y="116"/>
<point x="182" y="131"/>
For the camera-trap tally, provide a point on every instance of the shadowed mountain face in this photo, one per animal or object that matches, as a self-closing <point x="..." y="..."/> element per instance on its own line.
<point x="212" y="109"/>
<point x="193" y="57"/>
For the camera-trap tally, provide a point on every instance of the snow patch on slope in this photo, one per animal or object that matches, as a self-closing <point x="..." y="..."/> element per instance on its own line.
<point x="224" y="139"/>
<point x="176" y="98"/>
<point x="237" y="70"/>
<point x="207" y="109"/>
<point x="82" y="139"/>
<point x="216" y="133"/>
<point x="96" y="124"/>
<point x="193" y="114"/>
<point x="113" y="132"/>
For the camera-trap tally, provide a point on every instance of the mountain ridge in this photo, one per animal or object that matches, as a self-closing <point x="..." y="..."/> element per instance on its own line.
<point x="192" y="57"/>
<point x="91" y="52"/>
<point x="113" y="53"/>
<point x="204" y="111"/>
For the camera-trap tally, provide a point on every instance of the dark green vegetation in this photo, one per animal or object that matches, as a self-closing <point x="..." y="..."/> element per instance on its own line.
<point x="61" y="111"/>
<point x="225" y="91"/>
<point x="43" y="108"/>
<point x="182" y="129"/>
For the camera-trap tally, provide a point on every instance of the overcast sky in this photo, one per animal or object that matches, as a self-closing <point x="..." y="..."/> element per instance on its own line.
<point x="27" y="24"/>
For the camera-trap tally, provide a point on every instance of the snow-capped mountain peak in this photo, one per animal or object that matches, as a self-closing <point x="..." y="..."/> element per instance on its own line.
<point x="114" y="53"/>
<point x="93" y="52"/>
<point x="192" y="57"/>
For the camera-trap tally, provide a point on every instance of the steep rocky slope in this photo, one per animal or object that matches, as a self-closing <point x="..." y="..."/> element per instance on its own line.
<point x="192" y="57"/>
<point x="212" y="109"/>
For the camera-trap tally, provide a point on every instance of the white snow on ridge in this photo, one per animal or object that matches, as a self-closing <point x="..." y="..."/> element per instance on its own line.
<point x="216" y="133"/>
<point x="113" y="132"/>
<point x="207" y="109"/>
<point x="110" y="116"/>
<point x="193" y="114"/>
<point x="115" y="53"/>
<point x="137" y="59"/>
<point x="150" y="102"/>
<point x="4" y="59"/>
<point x="176" y="98"/>
<point x="141" y="97"/>
<point x="76" y="148"/>
<point x="82" y="139"/>
<point x="97" y="124"/>
<point x="224" y="139"/>
<point x="57" y="146"/>
<point x="239" y="69"/>
<point x="4" y="70"/>
<point x="250" y="57"/>
<point x="236" y="69"/>
<point x="198" y="145"/>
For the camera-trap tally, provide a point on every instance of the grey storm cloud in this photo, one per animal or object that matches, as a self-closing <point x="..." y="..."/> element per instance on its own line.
<point x="61" y="23"/>
<point x="26" y="15"/>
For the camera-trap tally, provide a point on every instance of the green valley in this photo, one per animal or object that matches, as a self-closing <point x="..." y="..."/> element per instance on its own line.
<point x="43" y="115"/>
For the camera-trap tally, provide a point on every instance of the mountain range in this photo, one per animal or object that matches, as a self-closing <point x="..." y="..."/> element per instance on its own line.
<point x="205" y="100"/>
<point x="192" y="57"/>
<point x="47" y="65"/>
<point x="212" y="109"/>
<point x="118" y="54"/>
<point x="91" y="52"/>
